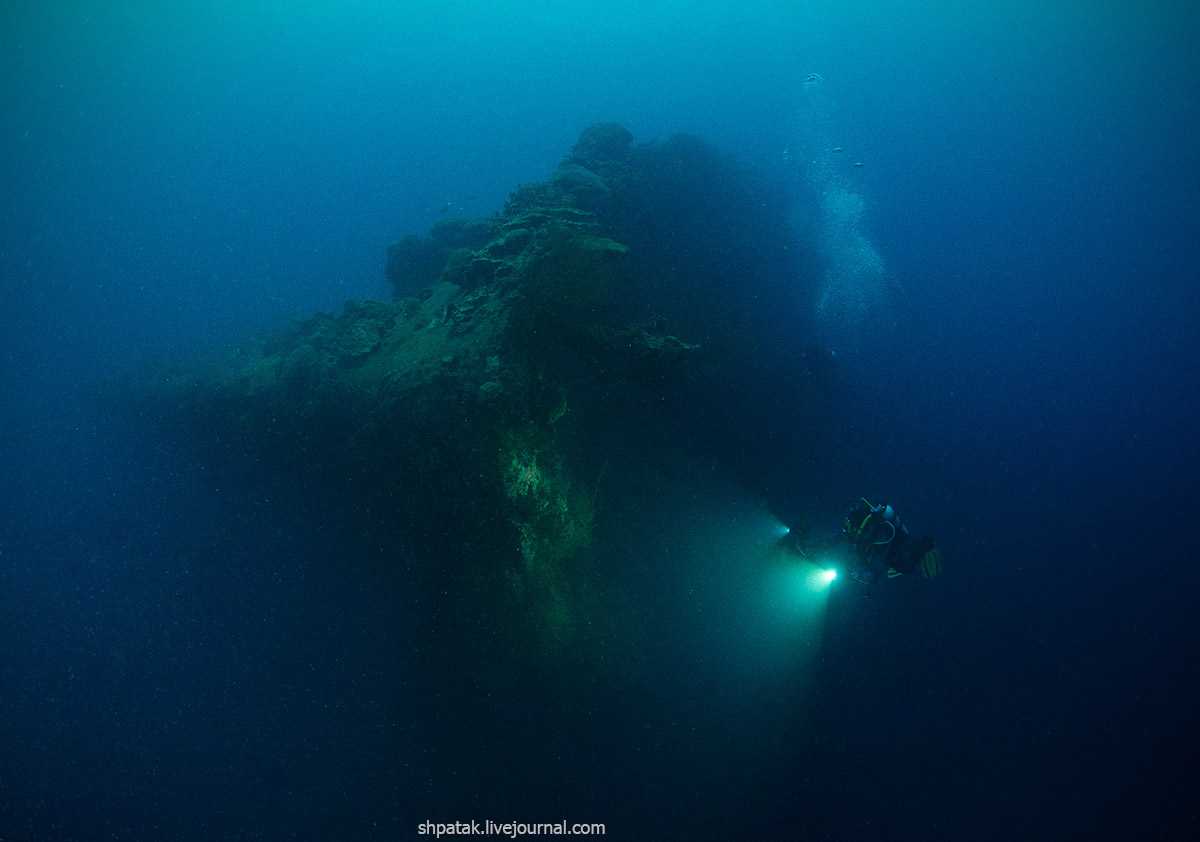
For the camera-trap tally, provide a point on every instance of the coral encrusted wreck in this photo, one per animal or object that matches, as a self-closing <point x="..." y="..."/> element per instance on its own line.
<point x="611" y="325"/>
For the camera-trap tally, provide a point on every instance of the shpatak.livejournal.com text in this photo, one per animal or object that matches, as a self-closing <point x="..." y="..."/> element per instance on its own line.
<point x="510" y="829"/>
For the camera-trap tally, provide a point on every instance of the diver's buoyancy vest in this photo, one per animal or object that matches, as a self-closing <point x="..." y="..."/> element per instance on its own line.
<point x="880" y="532"/>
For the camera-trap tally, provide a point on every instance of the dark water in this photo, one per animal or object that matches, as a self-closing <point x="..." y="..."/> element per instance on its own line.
<point x="1009" y="282"/>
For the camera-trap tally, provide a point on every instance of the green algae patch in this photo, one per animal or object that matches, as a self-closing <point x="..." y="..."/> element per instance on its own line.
<point x="553" y="523"/>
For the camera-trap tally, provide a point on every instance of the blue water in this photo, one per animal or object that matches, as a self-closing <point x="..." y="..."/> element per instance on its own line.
<point x="1010" y="282"/>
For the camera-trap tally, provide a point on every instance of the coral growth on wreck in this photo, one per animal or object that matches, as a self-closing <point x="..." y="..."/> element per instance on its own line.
<point x="587" y="330"/>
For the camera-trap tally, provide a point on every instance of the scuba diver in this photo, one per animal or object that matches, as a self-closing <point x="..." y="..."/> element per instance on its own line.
<point x="876" y="543"/>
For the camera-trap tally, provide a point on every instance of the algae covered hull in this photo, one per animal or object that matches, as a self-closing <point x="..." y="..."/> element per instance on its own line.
<point x="631" y="318"/>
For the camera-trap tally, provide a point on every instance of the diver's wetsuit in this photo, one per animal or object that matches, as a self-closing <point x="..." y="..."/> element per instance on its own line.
<point x="876" y="543"/>
<point x="877" y="536"/>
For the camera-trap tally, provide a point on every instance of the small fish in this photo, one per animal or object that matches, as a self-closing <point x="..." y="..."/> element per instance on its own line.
<point x="444" y="209"/>
<point x="837" y="149"/>
<point x="858" y="163"/>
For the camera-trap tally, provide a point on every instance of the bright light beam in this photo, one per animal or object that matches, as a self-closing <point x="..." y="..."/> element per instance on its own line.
<point x="778" y="529"/>
<point x="801" y="587"/>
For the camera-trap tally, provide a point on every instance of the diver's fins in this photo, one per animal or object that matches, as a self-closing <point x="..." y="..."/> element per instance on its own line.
<point x="931" y="562"/>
